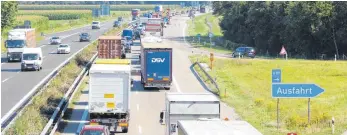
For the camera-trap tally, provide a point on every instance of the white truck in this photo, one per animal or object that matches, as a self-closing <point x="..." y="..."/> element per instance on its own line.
<point x="17" y="40"/>
<point x="188" y="106"/>
<point x="155" y="25"/>
<point x="109" y="94"/>
<point x="215" y="127"/>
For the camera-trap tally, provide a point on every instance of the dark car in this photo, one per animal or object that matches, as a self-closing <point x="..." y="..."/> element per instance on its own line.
<point x="116" y="24"/>
<point x="244" y="52"/>
<point x="120" y="19"/>
<point x="84" y="37"/>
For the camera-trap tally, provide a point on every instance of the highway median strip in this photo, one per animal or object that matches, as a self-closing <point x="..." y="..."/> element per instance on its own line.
<point x="34" y="116"/>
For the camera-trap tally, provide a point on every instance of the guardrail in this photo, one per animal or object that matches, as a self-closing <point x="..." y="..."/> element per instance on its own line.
<point x="209" y="77"/>
<point x="16" y="111"/>
<point x="64" y="103"/>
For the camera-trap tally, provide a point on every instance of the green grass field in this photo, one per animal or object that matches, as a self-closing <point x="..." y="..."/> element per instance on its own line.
<point x="248" y="84"/>
<point x="199" y="26"/>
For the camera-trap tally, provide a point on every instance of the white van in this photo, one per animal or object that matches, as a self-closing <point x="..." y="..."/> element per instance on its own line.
<point x="32" y="59"/>
<point x="96" y="25"/>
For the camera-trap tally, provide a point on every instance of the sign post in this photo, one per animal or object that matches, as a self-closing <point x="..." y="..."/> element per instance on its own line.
<point x="210" y="35"/>
<point x="277" y="78"/>
<point x="211" y="59"/>
<point x="284" y="52"/>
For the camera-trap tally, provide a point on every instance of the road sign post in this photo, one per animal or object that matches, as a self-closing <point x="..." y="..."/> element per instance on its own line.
<point x="293" y="90"/>
<point x="211" y="59"/>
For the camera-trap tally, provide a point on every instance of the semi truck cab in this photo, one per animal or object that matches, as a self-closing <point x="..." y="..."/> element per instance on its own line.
<point x="18" y="39"/>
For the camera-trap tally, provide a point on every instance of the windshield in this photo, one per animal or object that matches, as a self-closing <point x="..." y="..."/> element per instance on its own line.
<point x="62" y="46"/>
<point x="55" y="37"/>
<point x="15" y="43"/>
<point x="95" y="22"/>
<point x="84" y="34"/>
<point x="93" y="132"/>
<point x="30" y="56"/>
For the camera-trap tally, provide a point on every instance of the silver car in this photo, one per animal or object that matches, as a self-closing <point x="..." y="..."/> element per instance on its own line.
<point x="55" y="40"/>
<point x="63" y="48"/>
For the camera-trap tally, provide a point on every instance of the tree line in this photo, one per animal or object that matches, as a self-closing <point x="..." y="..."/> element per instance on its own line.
<point x="187" y="3"/>
<point x="305" y="29"/>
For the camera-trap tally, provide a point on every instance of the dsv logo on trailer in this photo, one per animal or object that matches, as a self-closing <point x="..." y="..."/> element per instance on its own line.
<point x="158" y="60"/>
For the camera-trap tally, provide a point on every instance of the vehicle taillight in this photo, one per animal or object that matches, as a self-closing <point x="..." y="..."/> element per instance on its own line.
<point x="94" y="121"/>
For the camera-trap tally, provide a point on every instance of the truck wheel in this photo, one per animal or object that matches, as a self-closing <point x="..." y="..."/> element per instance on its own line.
<point x="125" y="130"/>
<point x="167" y="88"/>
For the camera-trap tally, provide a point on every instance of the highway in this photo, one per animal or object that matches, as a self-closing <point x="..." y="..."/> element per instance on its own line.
<point x="147" y="104"/>
<point x="16" y="84"/>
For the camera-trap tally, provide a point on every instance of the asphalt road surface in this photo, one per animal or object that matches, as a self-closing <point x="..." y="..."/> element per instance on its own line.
<point x="146" y="105"/>
<point x="16" y="84"/>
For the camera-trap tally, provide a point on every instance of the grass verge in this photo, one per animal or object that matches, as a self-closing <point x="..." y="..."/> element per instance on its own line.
<point x="35" y="116"/>
<point x="199" y="26"/>
<point x="248" y="87"/>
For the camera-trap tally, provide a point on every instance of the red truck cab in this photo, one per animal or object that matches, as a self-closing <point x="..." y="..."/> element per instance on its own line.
<point x="94" y="130"/>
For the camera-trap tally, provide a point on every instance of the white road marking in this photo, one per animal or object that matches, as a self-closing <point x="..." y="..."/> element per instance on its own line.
<point x="6" y="79"/>
<point x="43" y="57"/>
<point x="69" y="35"/>
<point x="176" y="84"/>
<point x="53" y="52"/>
<point x="138" y="107"/>
<point x="140" y="129"/>
<point x="84" y="117"/>
<point x="42" y="46"/>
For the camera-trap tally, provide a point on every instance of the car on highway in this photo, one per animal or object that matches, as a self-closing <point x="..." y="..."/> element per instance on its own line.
<point x="96" y="25"/>
<point x="94" y="130"/>
<point x="116" y="24"/>
<point x="141" y="30"/>
<point x="55" y="40"/>
<point x="244" y="52"/>
<point x="120" y="18"/>
<point x="84" y="37"/>
<point x="63" y="48"/>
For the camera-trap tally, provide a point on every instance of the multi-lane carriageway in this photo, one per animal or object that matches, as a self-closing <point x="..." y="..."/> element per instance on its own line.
<point x="147" y="104"/>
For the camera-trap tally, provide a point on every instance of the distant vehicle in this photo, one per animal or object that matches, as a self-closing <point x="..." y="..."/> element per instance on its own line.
<point x="116" y="24"/>
<point x="32" y="59"/>
<point x="17" y="40"/>
<point x="55" y="40"/>
<point x="63" y="48"/>
<point x="84" y="37"/>
<point x="129" y="33"/>
<point x="120" y="19"/>
<point x="94" y="130"/>
<point x="182" y="12"/>
<point x="244" y="52"/>
<point x="96" y="25"/>
<point x="141" y="30"/>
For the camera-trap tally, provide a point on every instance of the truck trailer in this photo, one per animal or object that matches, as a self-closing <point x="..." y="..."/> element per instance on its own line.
<point x="188" y="106"/>
<point x="156" y="65"/>
<point x="215" y="127"/>
<point x="17" y="40"/>
<point x="109" y="93"/>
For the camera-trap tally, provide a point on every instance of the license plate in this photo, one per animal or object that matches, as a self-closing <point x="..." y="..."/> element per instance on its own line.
<point x="110" y="105"/>
<point x="94" y="123"/>
<point x="123" y="124"/>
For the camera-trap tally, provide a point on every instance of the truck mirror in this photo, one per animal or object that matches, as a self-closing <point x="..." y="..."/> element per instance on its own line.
<point x="161" y="115"/>
<point x="40" y="58"/>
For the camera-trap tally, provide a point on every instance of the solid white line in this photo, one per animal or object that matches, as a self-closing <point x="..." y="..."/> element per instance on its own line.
<point x="176" y="84"/>
<point x="140" y="129"/>
<point x="6" y="79"/>
<point x="69" y="35"/>
<point x="138" y="107"/>
<point x="84" y="117"/>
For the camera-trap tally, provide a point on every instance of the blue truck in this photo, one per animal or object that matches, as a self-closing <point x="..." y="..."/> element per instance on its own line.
<point x="156" y="65"/>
